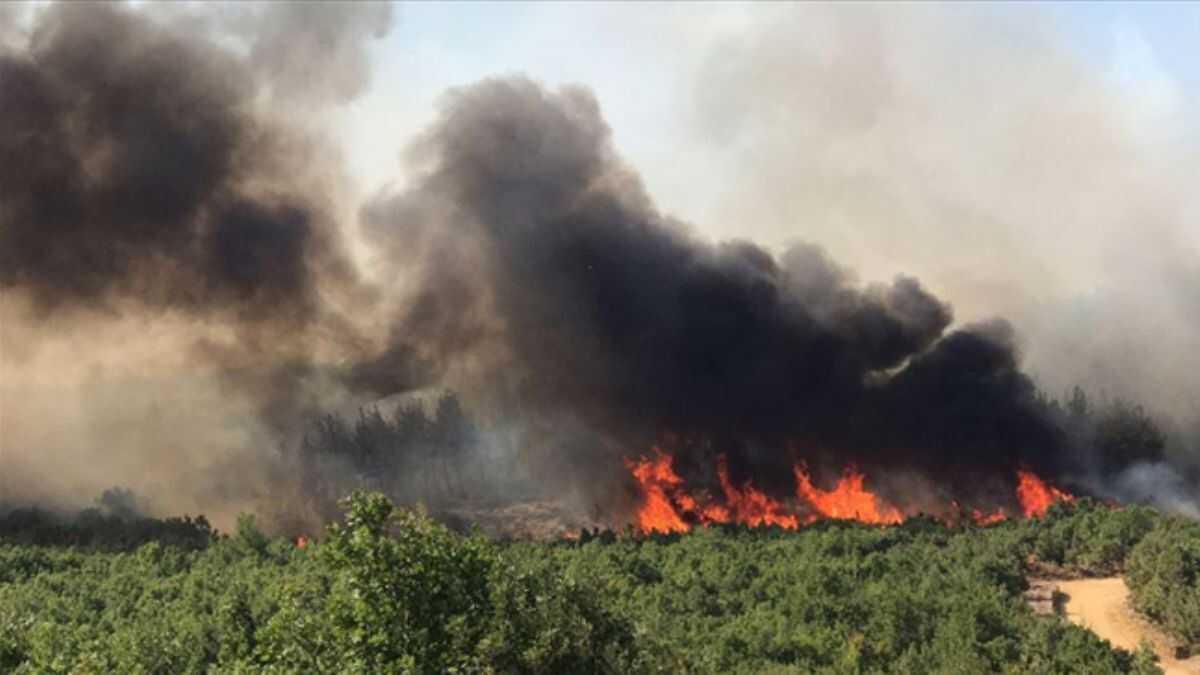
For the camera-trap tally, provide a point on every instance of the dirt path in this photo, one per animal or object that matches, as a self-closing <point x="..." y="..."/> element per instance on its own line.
<point x="1102" y="605"/>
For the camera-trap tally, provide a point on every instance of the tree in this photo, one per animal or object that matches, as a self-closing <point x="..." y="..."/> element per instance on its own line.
<point x="454" y="435"/>
<point x="409" y="594"/>
<point x="1124" y="434"/>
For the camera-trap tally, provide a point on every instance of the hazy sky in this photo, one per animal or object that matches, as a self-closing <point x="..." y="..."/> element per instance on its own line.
<point x="642" y="61"/>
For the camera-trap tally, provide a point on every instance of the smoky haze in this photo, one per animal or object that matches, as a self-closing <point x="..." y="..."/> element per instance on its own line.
<point x="161" y="223"/>
<point x="180" y="292"/>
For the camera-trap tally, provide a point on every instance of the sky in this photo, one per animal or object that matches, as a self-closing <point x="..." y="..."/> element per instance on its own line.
<point x="1148" y="49"/>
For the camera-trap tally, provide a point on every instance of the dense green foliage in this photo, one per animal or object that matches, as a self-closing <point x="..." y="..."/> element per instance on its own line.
<point x="1159" y="555"/>
<point x="383" y="592"/>
<point x="1088" y="538"/>
<point x="1164" y="576"/>
<point x="393" y="591"/>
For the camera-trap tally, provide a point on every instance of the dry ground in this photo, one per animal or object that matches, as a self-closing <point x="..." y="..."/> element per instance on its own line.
<point x="1102" y="605"/>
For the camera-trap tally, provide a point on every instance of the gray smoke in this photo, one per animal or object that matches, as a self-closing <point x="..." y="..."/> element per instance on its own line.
<point x="312" y="52"/>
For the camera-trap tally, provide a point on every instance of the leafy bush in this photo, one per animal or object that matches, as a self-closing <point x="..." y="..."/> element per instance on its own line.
<point x="386" y="591"/>
<point x="1164" y="577"/>
<point x="1089" y="537"/>
<point x="390" y="590"/>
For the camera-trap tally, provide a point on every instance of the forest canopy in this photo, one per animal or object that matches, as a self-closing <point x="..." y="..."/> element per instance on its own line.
<point x="390" y="590"/>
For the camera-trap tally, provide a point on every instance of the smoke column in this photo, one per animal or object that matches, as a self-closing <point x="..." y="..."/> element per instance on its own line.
<point x="180" y="292"/>
<point x="542" y="252"/>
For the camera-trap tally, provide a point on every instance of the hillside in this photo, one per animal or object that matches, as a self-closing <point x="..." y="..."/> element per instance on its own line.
<point x="393" y="591"/>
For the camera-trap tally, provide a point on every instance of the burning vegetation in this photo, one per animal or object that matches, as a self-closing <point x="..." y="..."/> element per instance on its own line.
<point x="667" y="504"/>
<point x="522" y="263"/>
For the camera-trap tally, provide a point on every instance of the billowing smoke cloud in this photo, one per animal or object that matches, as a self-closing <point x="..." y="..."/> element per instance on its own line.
<point x="542" y="249"/>
<point x="134" y="167"/>
<point x="160" y="219"/>
<point x="310" y="52"/>
<point x="169" y="212"/>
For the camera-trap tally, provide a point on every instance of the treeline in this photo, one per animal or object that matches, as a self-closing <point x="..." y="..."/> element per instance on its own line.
<point x="436" y="454"/>
<point x="436" y="444"/>
<point x="115" y="523"/>
<point x="440" y="453"/>
<point x="387" y="591"/>
<point x="1105" y="436"/>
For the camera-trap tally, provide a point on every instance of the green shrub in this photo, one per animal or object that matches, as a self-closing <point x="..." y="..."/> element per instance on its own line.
<point x="1164" y="577"/>
<point x="390" y="590"/>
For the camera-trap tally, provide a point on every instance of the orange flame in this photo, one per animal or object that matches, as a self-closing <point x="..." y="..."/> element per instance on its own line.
<point x="848" y="500"/>
<point x="666" y="505"/>
<point x="657" y="479"/>
<point x="992" y="518"/>
<point x="978" y="517"/>
<point x="751" y="506"/>
<point x="1036" y="496"/>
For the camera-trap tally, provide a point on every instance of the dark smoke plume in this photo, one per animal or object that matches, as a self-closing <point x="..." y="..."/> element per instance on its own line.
<point x="541" y="246"/>
<point x="150" y="176"/>
<point x="147" y="172"/>
<point x="133" y="167"/>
